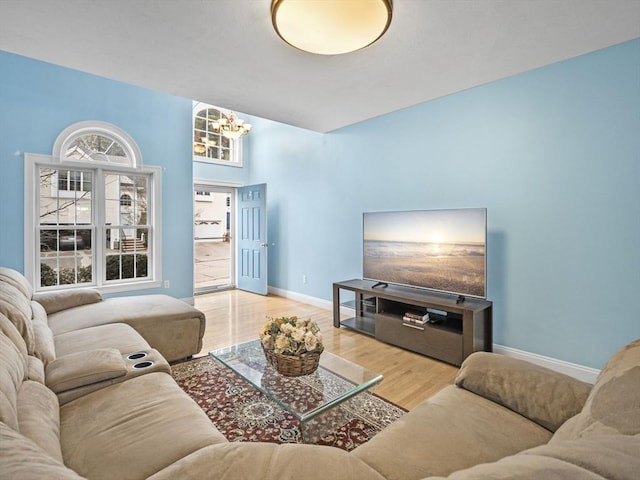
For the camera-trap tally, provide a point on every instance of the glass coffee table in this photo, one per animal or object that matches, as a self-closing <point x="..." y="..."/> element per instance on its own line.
<point x="312" y="399"/>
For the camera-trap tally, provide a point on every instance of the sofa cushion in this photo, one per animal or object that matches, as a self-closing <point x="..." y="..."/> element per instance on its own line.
<point x="15" y="278"/>
<point x="115" y="335"/>
<point x="601" y="457"/>
<point x="452" y="430"/>
<point x="12" y="333"/>
<point x="44" y="346"/>
<point x="17" y="308"/>
<point x="546" y="397"/>
<point x="268" y="461"/>
<point x="611" y="456"/>
<point x="35" y="369"/>
<point x="13" y="368"/>
<point x="57" y="301"/>
<point x="612" y="406"/>
<point x="84" y="368"/>
<point x="38" y="417"/>
<point x="20" y="458"/>
<point x="143" y="425"/>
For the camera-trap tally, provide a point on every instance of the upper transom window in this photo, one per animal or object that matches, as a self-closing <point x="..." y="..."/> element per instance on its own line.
<point x="209" y="146"/>
<point x="97" y="142"/>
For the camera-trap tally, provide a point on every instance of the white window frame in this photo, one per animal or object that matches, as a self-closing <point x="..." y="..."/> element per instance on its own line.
<point x="32" y="164"/>
<point x="236" y="150"/>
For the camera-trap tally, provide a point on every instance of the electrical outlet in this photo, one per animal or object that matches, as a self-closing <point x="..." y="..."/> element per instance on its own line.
<point x="304" y="279"/>
<point x="166" y="284"/>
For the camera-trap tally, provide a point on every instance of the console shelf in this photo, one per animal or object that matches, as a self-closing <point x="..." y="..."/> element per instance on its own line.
<point x="460" y="328"/>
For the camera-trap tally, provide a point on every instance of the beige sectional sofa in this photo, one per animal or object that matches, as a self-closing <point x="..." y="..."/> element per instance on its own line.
<point x="68" y="410"/>
<point x="167" y="324"/>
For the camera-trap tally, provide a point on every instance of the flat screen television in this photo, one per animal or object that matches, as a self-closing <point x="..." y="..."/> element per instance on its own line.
<point x="442" y="250"/>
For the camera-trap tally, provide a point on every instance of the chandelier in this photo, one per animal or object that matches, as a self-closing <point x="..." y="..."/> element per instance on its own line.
<point x="230" y="126"/>
<point x="331" y="27"/>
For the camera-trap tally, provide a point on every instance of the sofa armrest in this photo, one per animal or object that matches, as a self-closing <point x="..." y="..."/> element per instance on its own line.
<point x="542" y="395"/>
<point x="62" y="300"/>
<point x="84" y="368"/>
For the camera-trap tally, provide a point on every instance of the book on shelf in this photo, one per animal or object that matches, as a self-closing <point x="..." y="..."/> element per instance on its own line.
<point x="417" y="315"/>
<point x="417" y="318"/>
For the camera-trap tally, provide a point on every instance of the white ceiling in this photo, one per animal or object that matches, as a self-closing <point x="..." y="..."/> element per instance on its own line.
<point x="225" y="52"/>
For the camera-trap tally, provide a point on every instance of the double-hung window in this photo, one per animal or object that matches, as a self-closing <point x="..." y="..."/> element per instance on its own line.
<point x="92" y="213"/>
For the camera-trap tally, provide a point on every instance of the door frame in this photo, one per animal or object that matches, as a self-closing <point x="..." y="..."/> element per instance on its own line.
<point x="231" y="189"/>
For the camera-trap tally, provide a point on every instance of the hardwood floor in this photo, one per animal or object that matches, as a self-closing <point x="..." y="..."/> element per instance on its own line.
<point x="236" y="316"/>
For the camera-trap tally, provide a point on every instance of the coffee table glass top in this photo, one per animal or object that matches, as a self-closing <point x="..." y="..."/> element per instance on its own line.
<point x="335" y="380"/>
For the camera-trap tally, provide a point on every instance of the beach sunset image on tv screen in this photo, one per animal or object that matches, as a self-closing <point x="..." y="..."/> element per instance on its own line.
<point x="442" y="250"/>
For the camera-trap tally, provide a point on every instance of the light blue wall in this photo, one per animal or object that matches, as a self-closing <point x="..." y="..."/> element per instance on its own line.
<point x="39" y="100"/>
<point x="554" y="154"/>
<point x="221" y="173"/>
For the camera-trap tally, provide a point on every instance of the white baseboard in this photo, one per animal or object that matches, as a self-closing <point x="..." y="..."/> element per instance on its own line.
<point x="585" y="374"/>
<point x="299" y="297"/>
<point x="582" y="373"/>
<point x="190" y="300"/>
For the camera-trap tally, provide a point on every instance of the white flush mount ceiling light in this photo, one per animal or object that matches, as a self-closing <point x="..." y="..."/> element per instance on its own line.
<point x="331" y="27"/>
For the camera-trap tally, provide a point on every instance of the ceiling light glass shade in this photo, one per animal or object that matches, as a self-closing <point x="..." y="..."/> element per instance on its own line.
<point x="331" y="27"/>
<point x="230" y="126"/>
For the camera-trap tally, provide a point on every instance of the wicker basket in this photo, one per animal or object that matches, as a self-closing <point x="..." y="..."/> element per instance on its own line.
<point x="293" y="365"/>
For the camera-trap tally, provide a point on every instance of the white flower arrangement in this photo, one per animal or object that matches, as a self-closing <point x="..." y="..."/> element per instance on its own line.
<point x="291" y="336"/>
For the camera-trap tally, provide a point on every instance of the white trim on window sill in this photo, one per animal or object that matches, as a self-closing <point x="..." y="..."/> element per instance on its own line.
<point x="114" y="288"/>
<point x="227" y="163"/>
<point x="129" y="286"/>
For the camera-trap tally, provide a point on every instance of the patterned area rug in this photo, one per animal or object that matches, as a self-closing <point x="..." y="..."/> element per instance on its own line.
<point x="243" y="414"/>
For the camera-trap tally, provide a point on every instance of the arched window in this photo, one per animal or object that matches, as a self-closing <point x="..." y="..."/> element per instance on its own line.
<point x="95" y="220"/>
<point x="125" y="200"/>
<point x="209" y="146"/>
<point x="98" y="142"/>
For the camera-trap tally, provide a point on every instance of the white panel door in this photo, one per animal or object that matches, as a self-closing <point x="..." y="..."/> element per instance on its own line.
<point x="252" y="238"/>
